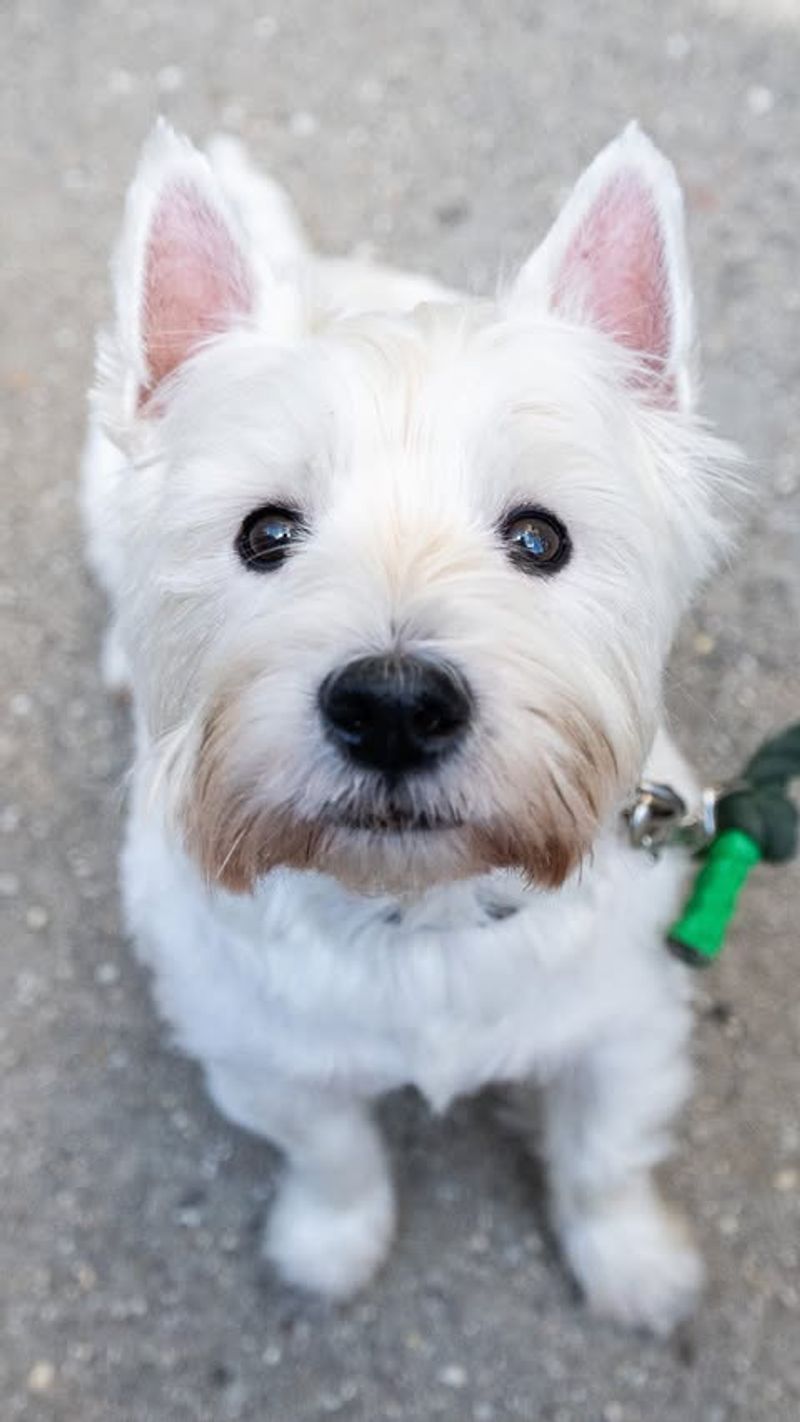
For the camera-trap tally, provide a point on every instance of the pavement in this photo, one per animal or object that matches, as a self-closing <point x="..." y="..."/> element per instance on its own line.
<point x="441" y="136"/>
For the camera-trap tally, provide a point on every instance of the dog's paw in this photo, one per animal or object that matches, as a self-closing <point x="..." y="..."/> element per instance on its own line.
<point x="328" y="1248"/>
<point x="634" y="1262"/>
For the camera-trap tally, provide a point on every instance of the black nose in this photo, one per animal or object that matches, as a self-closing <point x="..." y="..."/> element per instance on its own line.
<point x="395" y="714"/>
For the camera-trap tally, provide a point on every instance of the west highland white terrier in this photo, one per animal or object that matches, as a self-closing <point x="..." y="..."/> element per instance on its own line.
<point x="394" y="573"/>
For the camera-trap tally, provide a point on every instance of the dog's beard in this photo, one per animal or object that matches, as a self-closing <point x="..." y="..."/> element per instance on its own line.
<point x="403" y="840"/>
<point x="249" y="844"/>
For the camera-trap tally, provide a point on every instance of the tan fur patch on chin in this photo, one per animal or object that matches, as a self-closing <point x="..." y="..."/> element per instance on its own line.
<point x="235" y="851"/>
<point x="234" y="842"/>
<point x="246" y="851"/>
<point x="547" y="862"/>
<point x="545" y="838"/>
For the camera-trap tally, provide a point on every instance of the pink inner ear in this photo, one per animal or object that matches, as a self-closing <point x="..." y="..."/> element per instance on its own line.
<point x="614" y="271"/>
<point x="196" y="282"/>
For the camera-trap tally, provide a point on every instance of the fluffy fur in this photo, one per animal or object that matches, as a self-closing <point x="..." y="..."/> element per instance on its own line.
<point x="308" y="962"/>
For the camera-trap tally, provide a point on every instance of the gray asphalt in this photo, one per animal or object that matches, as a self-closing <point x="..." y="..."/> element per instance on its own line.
<point x="440" y="135"/>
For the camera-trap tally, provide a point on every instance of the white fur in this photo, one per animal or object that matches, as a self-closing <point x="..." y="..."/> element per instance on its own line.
<point x="407" y="430"/>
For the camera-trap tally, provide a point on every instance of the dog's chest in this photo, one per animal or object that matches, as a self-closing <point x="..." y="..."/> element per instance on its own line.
<point x="477" y="983"/>
<point x="444" y="994"/>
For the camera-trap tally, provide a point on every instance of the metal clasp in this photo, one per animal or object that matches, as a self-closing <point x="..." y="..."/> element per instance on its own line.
<point x="659" y="816"/>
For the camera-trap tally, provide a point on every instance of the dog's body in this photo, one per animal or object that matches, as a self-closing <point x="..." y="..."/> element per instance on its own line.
<point x="323" y="924"/>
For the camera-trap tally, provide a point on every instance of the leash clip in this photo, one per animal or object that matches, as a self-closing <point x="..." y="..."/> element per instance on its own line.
<point x="660" y="817"/>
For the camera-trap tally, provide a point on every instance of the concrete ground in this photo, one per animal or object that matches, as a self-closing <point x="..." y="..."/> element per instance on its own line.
<point x="439" y="134"/>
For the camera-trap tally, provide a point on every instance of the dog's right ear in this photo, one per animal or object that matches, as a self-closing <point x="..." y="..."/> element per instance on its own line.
<point x="183" y="274"/>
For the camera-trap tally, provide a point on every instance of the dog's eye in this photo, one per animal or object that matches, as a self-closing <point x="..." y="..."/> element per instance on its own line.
<point x="267" y="536"/>
<point x="537" y="541"/>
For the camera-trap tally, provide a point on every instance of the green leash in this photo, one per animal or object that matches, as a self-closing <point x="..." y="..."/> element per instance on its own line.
<point x="754" y="820"/>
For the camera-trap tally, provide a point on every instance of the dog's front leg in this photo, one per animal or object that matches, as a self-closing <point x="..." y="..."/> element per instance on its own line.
<point x="333" y="1219"/>
<point x="607" y="1121"/>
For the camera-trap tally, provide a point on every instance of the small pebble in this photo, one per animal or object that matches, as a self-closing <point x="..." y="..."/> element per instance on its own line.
<point x="370" y="91"/>
<point x="121" y="1310"/>
<point x="120" y="82"/>
<point x="786" y="1180"/>
<point x="678" y="46"/>
<point x="332" y="1402"/>
<point x="106" y="974"/>
<point x="303" y="124"/>
<point x="790" y="1138"/>
<point x="265" y="27"/>
<point x="170" y="79"/>
<point x="9" y="819"/>
<point x="9" y="886"/>
<point x="786" y="483"/>
<point x="703" y="644"/>
<point x="37" y="917"/>
<point x="232" y="116"/>
<point x="74" y="180"/>
<point x="41" y="1377"/>
<point x="760" y="100"/>
<point x="453" y="1376"/>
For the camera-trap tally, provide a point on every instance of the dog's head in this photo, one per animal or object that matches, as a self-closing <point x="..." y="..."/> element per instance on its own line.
<point x="398" y="589"/>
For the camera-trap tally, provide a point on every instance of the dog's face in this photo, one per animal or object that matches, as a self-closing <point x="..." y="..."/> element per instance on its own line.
<point x="400" y="588"/>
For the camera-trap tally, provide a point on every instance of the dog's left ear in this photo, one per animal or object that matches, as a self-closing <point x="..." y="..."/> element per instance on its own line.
<point x="616" y="259"/>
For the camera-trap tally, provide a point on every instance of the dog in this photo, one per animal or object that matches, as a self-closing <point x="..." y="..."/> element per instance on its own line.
<point x="393" y="575"/>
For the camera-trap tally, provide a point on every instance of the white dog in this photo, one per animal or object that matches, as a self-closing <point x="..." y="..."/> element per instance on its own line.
<point x="394" y="574"/>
